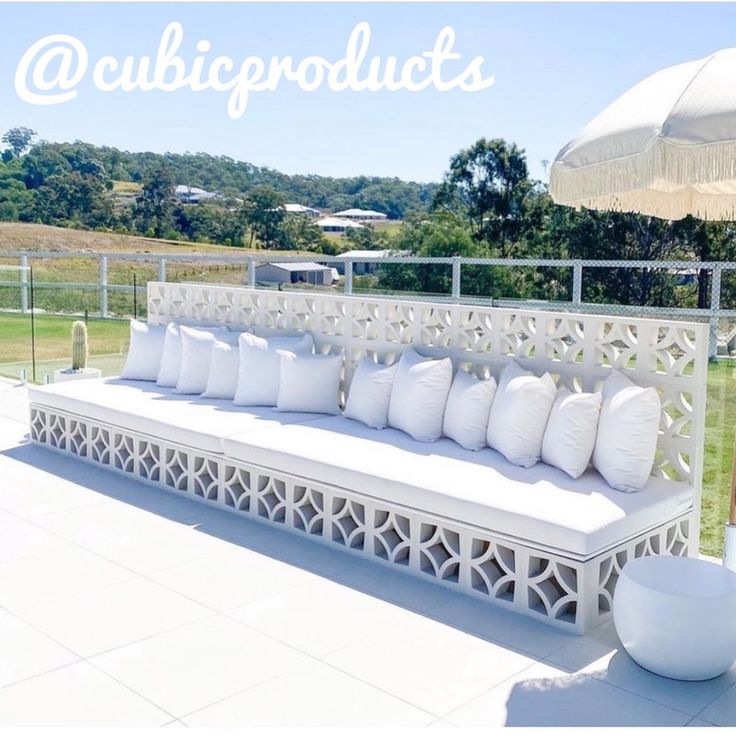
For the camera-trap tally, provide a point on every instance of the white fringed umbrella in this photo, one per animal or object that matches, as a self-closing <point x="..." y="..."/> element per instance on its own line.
<point x="666" y="148"/>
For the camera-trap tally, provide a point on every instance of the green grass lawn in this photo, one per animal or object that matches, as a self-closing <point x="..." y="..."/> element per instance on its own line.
<point x="108" y="342"/>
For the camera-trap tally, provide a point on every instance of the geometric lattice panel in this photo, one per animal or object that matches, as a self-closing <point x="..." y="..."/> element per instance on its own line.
<point x="571" y="594"/>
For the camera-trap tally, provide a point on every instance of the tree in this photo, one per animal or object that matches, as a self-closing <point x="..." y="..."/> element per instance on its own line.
<point x="264" y="213"/>
<point x="19" y="140"/>
<point x="155" y="205"/>
<point x="487" y="185"/>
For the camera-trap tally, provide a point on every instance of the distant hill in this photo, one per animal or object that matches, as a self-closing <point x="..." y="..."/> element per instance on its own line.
<point x="393" y="196"/>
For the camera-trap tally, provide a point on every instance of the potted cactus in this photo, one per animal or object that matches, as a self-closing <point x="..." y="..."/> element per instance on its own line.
<point x="79" y="367"/>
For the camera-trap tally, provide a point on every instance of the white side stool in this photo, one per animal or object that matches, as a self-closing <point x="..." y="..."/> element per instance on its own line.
<point x="676" y="616"/>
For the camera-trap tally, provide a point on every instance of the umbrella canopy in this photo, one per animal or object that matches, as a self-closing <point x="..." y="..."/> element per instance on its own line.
<point x="665" y="148"/>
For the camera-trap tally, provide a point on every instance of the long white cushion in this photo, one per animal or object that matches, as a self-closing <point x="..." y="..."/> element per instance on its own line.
<point x="539" y="504"/>
<point x="159" y="412"/>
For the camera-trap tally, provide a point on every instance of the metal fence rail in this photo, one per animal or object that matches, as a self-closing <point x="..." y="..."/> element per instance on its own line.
<point x="113" y="284"/>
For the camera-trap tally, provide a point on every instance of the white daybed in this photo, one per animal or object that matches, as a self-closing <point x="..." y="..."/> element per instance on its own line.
<point x="533" y="539"/>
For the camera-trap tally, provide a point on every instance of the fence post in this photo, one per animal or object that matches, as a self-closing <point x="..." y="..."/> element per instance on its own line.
<point x="251" y="272"/>
<point x="456" y="276"/>
<point x="162" y="269"/>
<point x="715" y="305"/>
<point x="24" y="284"/>
<point x="103" y="287"/>
<point x="348" y="276"/>
<point x="577" y="283"/>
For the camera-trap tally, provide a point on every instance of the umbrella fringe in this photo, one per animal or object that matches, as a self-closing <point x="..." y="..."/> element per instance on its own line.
<point x="636" y="183"/>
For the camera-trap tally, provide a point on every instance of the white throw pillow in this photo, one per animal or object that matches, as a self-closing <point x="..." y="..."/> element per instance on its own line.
<point x="627" y="433"/>
<point x="419" y="395"/>
<point x="571" y="431"/>
<point x="222" y="380"/>
<point x="144" y="352"/>
<point x="168" y="374"/>
<point x="196" y="356"/>
<point x="260" y="367"/>
<point x="468" y="409"/>
<point x="370" y="393"/>
<point x="309" y="383"/>
<point x="519" y="414"/>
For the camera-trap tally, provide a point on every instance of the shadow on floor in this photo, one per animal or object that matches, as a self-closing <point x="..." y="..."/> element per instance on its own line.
<point x="487" y="622"/>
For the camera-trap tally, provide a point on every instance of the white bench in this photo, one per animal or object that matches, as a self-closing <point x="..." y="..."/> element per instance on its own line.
<point x="531" y="539"/>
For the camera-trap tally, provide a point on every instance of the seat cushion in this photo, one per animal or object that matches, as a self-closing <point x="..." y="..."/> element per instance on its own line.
<point x="142" y="406"/>
<point x="541" y="504"/>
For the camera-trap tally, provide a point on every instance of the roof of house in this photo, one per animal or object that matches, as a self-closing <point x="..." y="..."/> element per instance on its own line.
<point x="355" y="212"/>
<point x="301" y="266"/>
<point x="293" y="207"/>
<point x="364" y="254"/>
<point x="336" y="222"/>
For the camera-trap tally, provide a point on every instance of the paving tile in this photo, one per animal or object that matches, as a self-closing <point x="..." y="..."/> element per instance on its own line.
<point x="188" y="668"/>
<point x="318" y="695"/>
<point x="53" y="576"/>
<point x="156" y="549"/>
<point x="101" y="521"/>
<point x="19" y="539"/>
<point x="26" y="652"/>
<point x="699" y="723"/>
<point x="722" y="712"/>
<point x="77" y="695"/>
<point x="321" y="616"/>
<point x="232" y="578"/>
<point x="546" y="696"/>
<point x="601" y="656"/>
<point x="28" y="492"/>
<point x="115" y="615"/>
<point x="431" y="665"/>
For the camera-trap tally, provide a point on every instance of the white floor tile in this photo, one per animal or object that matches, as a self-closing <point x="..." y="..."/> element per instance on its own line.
<point x="232" y="578"/>
<point x="602" y="656"/>
<point x="20" y="539"/>
<point x="318" y="696"/>
<point x="431" y="665"/>
<point x="115" y="615"/>
<point x="27" y="491"/>
<point x="153" y="550"/>
<point x="546" y="696"/>
<point x="101" y="521"/>
<point x="25" y="652"/>
<point x="199" y="664"/>
<point x="699" y="723"/>
<point x="43" y="579"/>
<point x="722" y="712"/>
<point x="77" y="695"/>
<point x="320" y="617"/>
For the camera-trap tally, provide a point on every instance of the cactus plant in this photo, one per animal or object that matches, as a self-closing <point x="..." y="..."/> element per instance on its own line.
<point x="79" y="346"/>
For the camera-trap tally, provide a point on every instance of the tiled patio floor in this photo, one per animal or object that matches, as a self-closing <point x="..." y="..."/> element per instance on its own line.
<point x="123" y="604"/>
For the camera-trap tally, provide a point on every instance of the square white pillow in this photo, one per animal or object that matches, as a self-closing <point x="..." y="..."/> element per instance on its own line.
<point x="309" y="383"/>
<point x="260" y="367"/>
<point x="571" y="431"/>
<point x="168" y="374"/>
<point x="370" y="393"/>
<point x="145" y="351"/>
<point x="628" y="430"/>
<point x="468" y="409"/>
<point x="519" y="414"/>
<point x="196" y="356"/>
<point x="222" y="380"/>
<point x="419" y="395"/>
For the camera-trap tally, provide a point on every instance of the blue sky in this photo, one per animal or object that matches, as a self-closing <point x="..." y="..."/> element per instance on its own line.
<point x="556" y="66"/>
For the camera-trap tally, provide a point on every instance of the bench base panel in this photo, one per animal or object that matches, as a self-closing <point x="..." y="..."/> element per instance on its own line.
<point x="574" y="595"/>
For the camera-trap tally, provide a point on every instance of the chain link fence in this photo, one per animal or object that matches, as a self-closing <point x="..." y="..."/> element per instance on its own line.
<point x="111" y="287"/>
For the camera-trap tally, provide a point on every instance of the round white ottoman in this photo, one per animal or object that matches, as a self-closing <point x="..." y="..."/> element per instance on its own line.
<point x="676" y="616"/>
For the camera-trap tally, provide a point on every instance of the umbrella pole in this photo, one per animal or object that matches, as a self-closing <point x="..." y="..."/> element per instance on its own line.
<point x="729" y="544"/>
